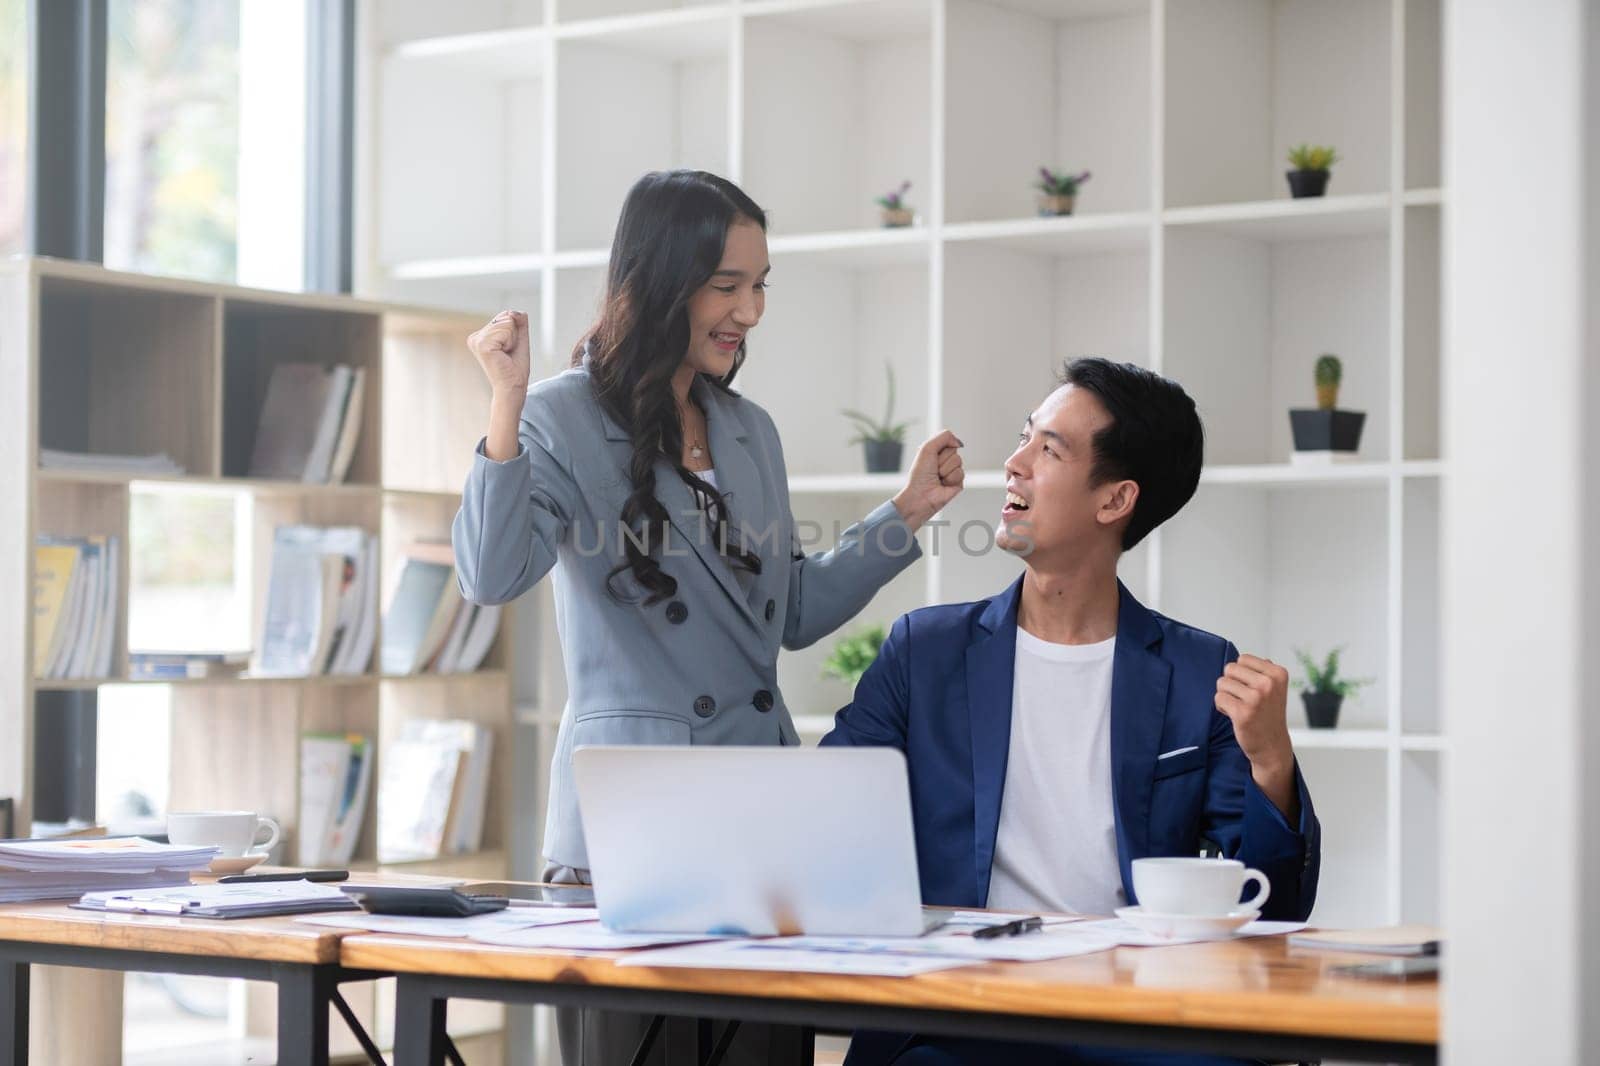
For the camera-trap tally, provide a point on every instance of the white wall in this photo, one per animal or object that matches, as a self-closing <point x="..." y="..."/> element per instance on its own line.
<point x="1521" y="603"/>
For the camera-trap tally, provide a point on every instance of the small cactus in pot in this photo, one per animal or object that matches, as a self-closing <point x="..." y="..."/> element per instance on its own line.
<point x="1329" y="371"/>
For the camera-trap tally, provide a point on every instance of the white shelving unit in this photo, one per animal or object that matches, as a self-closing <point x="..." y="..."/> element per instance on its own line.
<point x="505" y="135"/>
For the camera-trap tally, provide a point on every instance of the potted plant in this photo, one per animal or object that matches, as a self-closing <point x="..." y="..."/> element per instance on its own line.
<point x="1058" y="192"/>
<point x="1312" y="167"/>
<point x="881" y="441"/>
<point x="853" y="654"/>
<point x="1323" y="691"/>
<point x="896" y="212"/>
<point x="1324" y="430"/>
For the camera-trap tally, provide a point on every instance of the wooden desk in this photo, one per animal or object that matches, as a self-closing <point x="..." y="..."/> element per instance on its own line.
<point x="302" y="960"/>
<point x="1254" y="998"/>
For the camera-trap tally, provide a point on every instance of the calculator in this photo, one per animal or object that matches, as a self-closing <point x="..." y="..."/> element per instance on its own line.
<point x="424" y="901"/>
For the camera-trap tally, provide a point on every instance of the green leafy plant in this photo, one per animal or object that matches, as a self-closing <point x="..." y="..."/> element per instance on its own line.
<point x="1054" y="183"/>
<point x="1312" y="157"/>
<point x="1329" y="372"/>
<point x="895" y="199"/>
<point x="1325" y="679"/>
<point x="871" y="429"/>
<point x="853" y="654"/>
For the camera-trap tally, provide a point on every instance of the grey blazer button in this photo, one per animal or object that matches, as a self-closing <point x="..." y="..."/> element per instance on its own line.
<point x="772" y="609"/>
<point x="763" y="701"/>
<point x="677" y="613"/>
<point x="705" y="706"/>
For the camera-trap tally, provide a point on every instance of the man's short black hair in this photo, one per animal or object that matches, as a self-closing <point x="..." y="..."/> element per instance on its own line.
<point x="1155" y="438"/>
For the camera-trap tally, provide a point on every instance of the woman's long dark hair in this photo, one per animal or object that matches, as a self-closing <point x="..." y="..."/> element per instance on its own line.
<point x="669" y="243"/>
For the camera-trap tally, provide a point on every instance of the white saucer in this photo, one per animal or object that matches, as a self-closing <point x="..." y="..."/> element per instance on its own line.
<point x="1187" y="926"/>
<point x="236" y="864"/>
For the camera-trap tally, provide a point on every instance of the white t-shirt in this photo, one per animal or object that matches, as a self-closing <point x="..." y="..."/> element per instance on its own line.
<point x="1056" y="849"/>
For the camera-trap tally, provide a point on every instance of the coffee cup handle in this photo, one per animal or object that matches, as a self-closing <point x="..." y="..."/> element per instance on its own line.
<point x="264" y="822"/>
<point x="1254" y="902"/>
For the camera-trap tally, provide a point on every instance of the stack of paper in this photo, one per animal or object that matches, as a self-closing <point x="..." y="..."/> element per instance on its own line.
<point x="66" y="869"/>
<point x="224" y="901"/>
<point x="74" y="605"/>
<point x="309" y="424"/>
<point x="335" y="775"/>
<point x="322" y="603"/>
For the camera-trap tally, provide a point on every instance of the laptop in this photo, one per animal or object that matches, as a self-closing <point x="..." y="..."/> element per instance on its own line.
<point x="751" y="841"/>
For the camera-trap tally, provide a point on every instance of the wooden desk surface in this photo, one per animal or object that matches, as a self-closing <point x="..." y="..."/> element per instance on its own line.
<point x="281" y="939"/>
<point x="1256" y="984"/>
<point x="268" y="939"/>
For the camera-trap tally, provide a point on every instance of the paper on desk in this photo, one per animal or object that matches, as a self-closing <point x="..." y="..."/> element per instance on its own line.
<point x="762" y="955"/>
<point x="1127" y="935"/>
<point x="584" y="936"/>
<point x="985" y="918"/>
<point x="1060" y="942"/>
<point x="502" y="921"/>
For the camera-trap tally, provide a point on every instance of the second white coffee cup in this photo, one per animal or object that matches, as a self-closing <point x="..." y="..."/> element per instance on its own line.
<point x="235" y="832"/>
<point x="1207" y="887"/>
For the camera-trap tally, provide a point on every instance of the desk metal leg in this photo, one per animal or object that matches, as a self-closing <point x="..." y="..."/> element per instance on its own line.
<point x="13" y="1013"/>
<point x="419" y="1020"/>
<point x="305" y="994"/>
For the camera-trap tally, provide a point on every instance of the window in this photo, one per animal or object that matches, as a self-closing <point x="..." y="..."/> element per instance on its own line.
<point x="206" y="139"/>
<point x="13" y="125"/>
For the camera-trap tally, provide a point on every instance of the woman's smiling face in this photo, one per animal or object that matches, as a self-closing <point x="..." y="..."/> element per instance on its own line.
<point x="731" y="303"/>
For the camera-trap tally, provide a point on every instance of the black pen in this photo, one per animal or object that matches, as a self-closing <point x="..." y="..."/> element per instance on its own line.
<point x="1016" y="928"/>
<point x="287" y="875"/>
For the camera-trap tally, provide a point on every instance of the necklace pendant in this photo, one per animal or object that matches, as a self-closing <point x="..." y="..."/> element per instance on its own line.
<point x="696" y="451"/>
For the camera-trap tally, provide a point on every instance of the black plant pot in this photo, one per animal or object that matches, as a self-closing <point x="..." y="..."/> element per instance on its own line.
<point x="1316" y="430"/>
<point x="1322" y="708"/>
<point x="883" y="456"/>
<point x="1303" y="183"/>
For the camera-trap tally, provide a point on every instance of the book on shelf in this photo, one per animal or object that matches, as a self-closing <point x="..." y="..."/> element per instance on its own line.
<point x="428" y="626"/>
<point x="158" y="465"/>
<point x="422" y="608"/>
<point x="74" y="606"/>
<point x="480" y="638"/>
<point x="185" y="665"/>
<point x="349" y="428"/>
<point x="433" y="794"/>
<point x="317" y="600"/>
<point x="335" y="776"/>
<point x="303" y="434"/>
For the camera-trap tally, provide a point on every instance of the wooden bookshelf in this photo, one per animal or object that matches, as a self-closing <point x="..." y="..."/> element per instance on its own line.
<point x="108" y="362"/>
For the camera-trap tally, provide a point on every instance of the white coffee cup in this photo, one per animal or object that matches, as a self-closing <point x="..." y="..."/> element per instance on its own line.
<point x="235" y="832"/>
<point x="1206" y="887"/>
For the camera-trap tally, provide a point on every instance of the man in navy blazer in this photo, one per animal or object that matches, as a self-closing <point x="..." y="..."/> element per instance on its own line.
<point x="1060" y="729"/>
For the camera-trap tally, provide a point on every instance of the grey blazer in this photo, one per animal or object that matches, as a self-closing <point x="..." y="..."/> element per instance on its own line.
<point x="701" y="667"/>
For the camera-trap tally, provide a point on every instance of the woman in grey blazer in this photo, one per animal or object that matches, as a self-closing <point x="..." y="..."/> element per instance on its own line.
<point x="659" y="498"/>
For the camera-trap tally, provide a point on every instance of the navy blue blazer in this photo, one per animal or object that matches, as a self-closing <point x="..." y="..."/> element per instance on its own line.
<point x="940" y="691"/>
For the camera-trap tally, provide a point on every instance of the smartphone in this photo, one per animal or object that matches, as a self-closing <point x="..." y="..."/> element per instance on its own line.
<point x="523" y="894"/>
<point x="1411" y="968"/>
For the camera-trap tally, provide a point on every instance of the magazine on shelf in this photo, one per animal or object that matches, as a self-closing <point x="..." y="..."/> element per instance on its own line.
<point x="75" y="604"/>
<point x="433" y="795"/>
<point x="335" y="771"/>
<point x="314" y="600"/>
